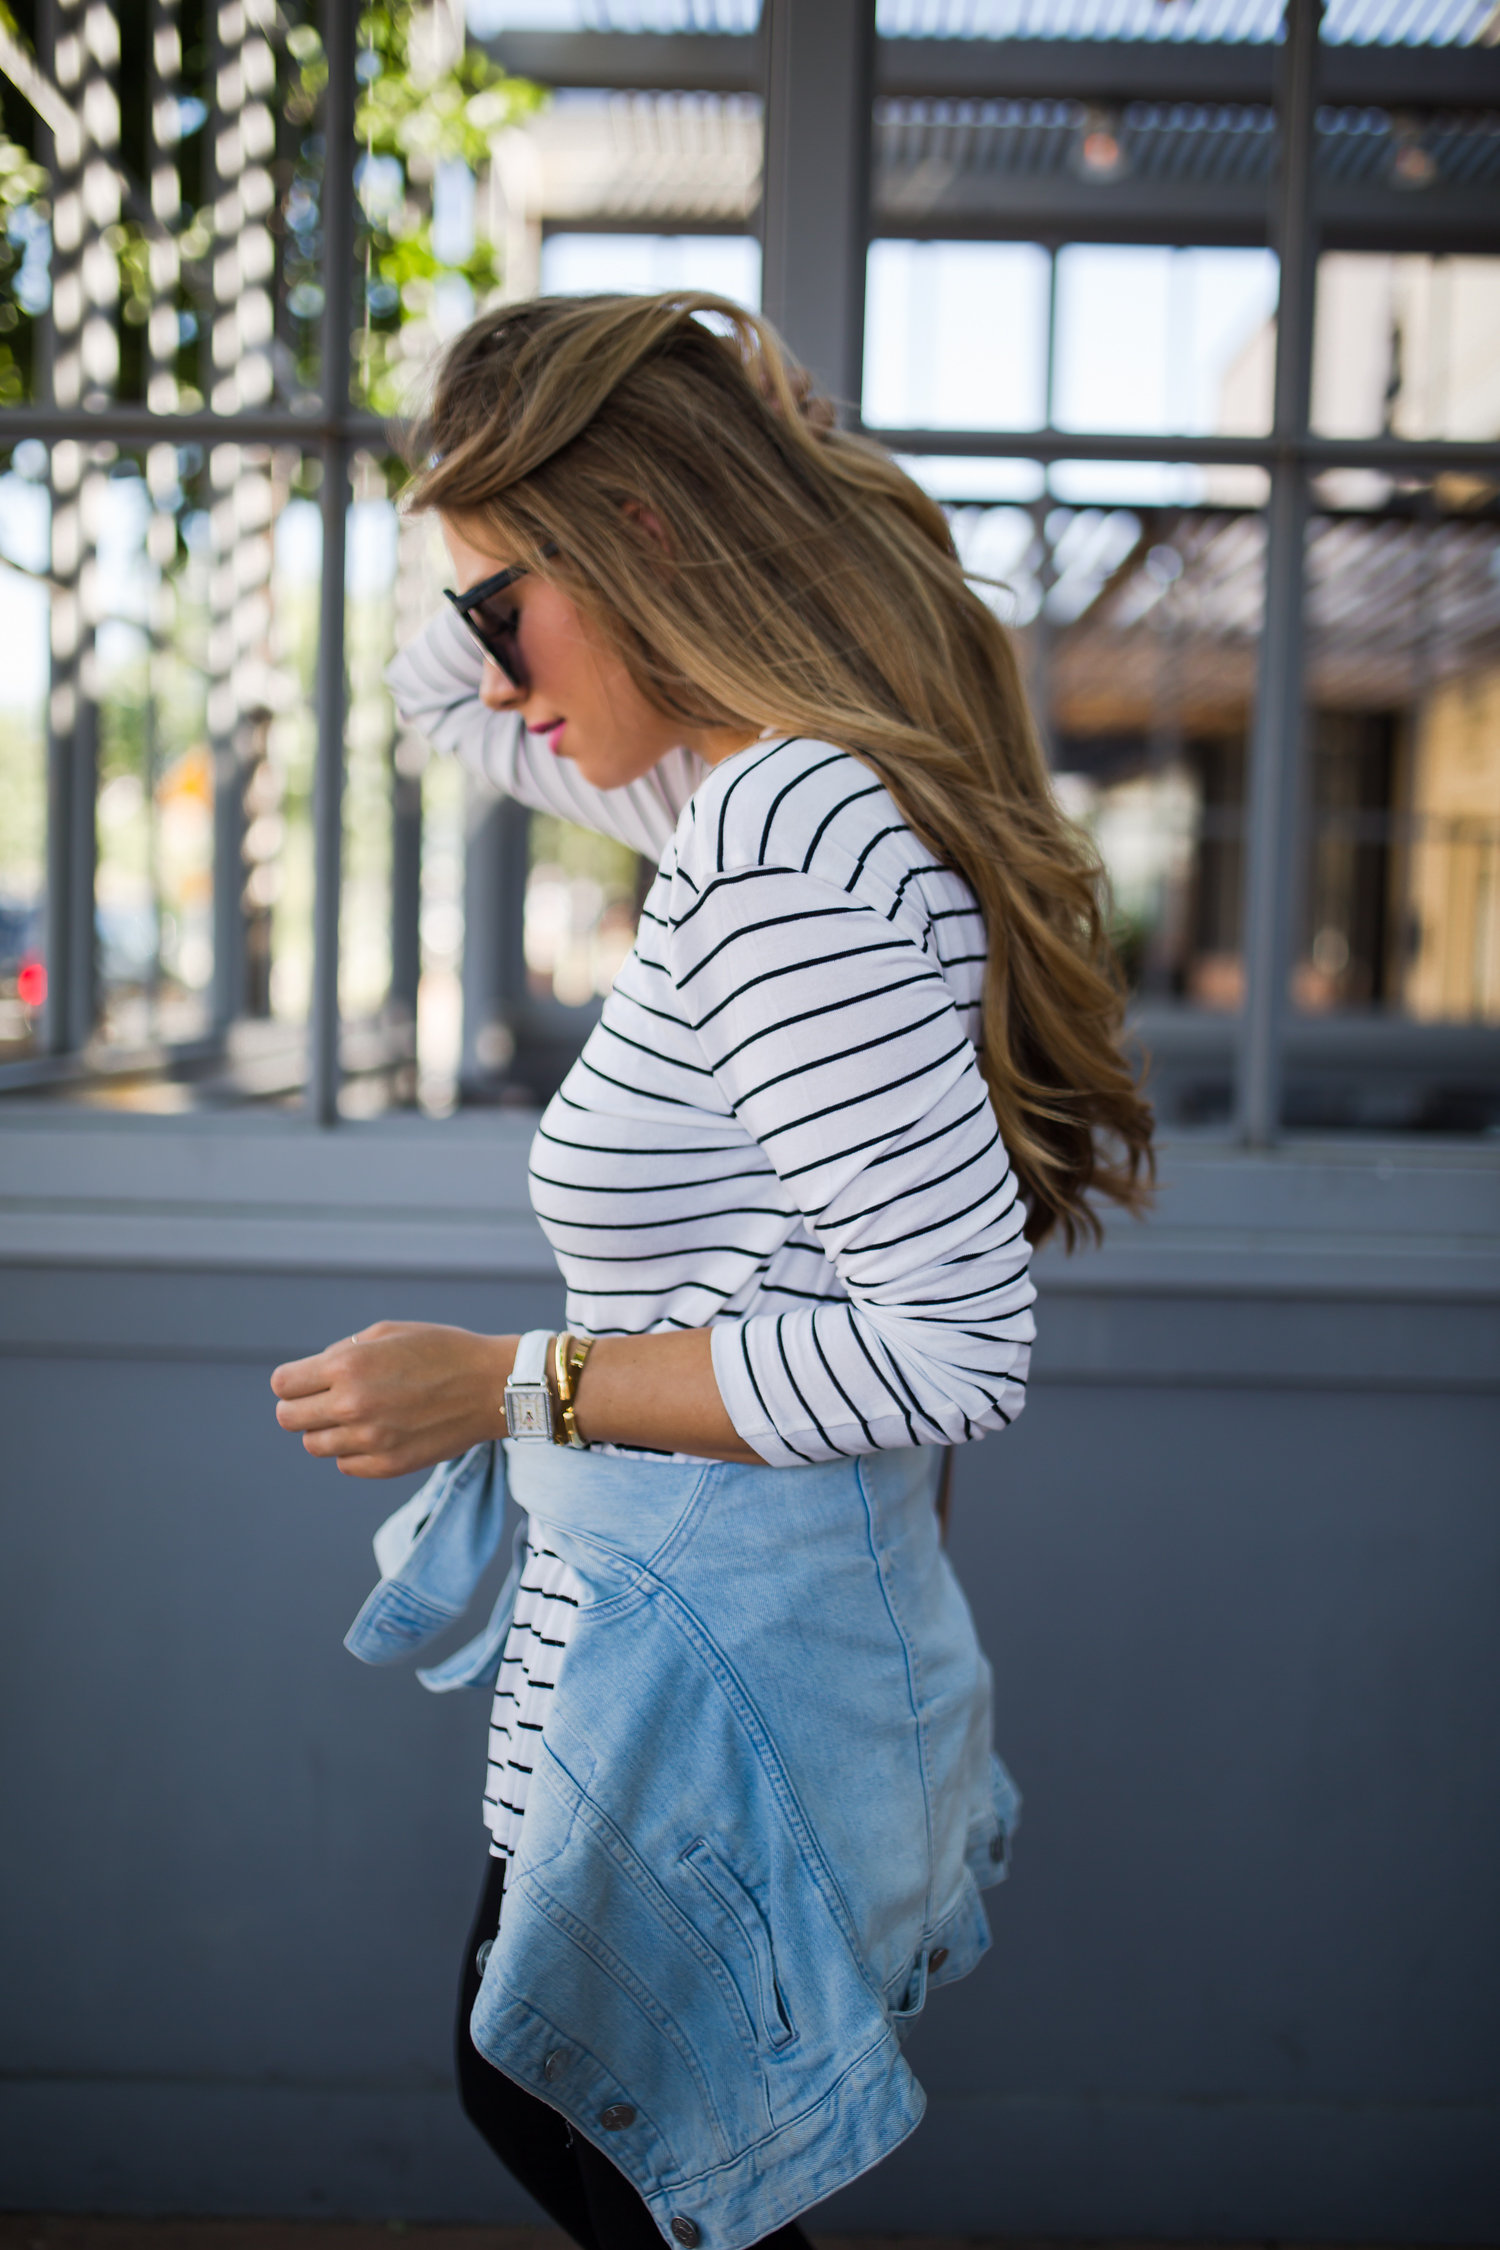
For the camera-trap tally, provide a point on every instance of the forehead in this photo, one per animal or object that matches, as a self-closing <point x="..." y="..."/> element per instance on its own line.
<point x="477" y="548"/>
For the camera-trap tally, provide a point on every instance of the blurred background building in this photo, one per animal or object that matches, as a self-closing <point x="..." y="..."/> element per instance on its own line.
<point x="1067" y="232"/>
<point x="1189" y="313"/>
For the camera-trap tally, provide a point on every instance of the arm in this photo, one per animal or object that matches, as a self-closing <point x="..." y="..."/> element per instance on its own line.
<point x="405" y="1394"/>
<point x="833" y="1037"/>
<point x="843" y="1054"/>
<point x="435" y="683"/>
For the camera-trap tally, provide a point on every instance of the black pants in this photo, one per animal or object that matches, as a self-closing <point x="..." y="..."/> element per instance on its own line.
<point x="577" y="2187"/>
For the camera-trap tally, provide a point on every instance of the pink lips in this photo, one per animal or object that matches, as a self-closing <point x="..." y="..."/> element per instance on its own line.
<point x="551" y="734"/>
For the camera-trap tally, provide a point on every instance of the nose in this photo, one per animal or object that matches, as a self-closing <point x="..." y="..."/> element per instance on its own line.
<point x="496" y="691"/>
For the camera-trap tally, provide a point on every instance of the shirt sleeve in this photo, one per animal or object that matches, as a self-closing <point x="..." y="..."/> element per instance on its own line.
<point x="434" y="681"/>
<point x="837" y="1044"/>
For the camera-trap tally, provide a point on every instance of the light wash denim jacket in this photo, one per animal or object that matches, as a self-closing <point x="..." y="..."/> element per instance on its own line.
<point x="763" y="1812"/>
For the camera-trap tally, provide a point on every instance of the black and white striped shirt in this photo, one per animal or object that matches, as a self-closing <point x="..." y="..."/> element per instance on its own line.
<point x="778" y="1129"/>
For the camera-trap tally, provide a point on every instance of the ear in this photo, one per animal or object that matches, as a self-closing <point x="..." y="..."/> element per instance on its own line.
<point x="650" y="523"/>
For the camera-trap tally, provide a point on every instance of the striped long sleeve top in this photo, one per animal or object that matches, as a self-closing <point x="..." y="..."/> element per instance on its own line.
<point x="778" y="1129"/>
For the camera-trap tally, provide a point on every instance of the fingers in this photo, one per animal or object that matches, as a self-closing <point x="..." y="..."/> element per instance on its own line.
<point x="339" y="1440"/>
<point x="319" y="1412"/>
<point x="300" y="1378"/>
<point x="303" y="1378"/>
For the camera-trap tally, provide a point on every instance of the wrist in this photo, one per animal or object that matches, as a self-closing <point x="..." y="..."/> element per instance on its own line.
<point x="499" y="1359"/>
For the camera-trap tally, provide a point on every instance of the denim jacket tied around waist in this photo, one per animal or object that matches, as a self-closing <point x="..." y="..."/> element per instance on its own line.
<point x="764" y="1808"/>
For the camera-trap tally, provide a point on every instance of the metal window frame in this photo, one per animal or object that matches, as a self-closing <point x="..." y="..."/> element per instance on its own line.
<point x="1306" y="72"/>
<point x="818" y="61"/>
<point x="333" y="434"/>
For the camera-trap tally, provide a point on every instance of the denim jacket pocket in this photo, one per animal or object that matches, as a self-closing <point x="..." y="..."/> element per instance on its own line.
<point x="740" y="1916"/>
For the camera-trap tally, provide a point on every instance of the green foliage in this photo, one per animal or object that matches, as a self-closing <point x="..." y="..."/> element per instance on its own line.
<point x="23" y="209"/>
<point x="408" y="121"/>
<point x="411" y="117"/>
<point x="427" y="120"/>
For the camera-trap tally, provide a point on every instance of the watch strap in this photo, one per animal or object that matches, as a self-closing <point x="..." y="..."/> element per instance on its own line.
<point x="529" y="1410"/>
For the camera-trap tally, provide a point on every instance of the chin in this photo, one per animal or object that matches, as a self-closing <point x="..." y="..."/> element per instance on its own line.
<point x="606" y="772"/>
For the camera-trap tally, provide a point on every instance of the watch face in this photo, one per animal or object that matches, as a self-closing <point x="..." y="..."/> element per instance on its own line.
<point x="528" y="1410"/>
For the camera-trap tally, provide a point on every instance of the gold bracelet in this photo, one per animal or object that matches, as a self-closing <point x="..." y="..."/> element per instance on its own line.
<point x="568" y="1356"/>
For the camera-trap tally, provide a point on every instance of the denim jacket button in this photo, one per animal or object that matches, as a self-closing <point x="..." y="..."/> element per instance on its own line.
<point x="616" y="2118"/>
<point x="685" y="2232"/>
<point x="481" y="1958"/>
<point x="554" y="2065"/>
<point x="936" y="1960"/>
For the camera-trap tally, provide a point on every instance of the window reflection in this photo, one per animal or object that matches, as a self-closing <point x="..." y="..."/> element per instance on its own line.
<point x="1159" y="339"/>
<point x="1403" y="882"/>
<point x="1140" y="626"/>
<point x="1407" y="345"/>
<point x="23" y="753"/>
<point x="1143" y="338"/>
<point x="956" y="335"/>
<point x="583" y="898"/>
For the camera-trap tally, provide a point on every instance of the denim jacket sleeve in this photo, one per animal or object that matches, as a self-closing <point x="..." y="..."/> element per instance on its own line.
<point x="432" y="1553"/>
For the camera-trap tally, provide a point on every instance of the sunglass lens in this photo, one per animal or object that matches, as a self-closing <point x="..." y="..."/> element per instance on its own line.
<point x="494" y="627"/>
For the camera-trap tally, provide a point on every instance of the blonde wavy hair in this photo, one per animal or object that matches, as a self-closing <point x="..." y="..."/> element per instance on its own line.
<point x="686" y="484"/>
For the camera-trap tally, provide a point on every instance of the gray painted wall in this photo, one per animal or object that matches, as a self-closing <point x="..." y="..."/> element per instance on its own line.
<point x="1236" y="1567"/>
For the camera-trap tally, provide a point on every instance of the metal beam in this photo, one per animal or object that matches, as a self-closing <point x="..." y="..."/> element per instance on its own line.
<point x="1276" y="745"/>
<point x="990" y="69"/>
<point x="1410" y="456"/>
<point x="1126" y="70"/>
<point x="815" y="207"/>
<point x="139" y="426"/>
<point x="329" y="691"/>
<point x="979" y="207"/>
<point x="1010" y="207"/>
<point x="633" y="62"/>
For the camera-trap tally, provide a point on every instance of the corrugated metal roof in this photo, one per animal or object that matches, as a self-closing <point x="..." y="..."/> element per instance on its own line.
<point x="1356" y="146"/>
<point x="1038" y="139"/>
<point x="1435" y="23"/>
<point x="1187" y="142"/>
<point x="1392" y="607"/>
<point x="647" y="156"/>
<point x="1398" y="23"/>
<point x="616" y="156"/>
<point x="488" y="18"/>
<point x="1228" y="20"/>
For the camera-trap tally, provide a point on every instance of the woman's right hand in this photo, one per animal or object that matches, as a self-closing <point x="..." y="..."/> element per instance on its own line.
<point x="402" y="1395"/>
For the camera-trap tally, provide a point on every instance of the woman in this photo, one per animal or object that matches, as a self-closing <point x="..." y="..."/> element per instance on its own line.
<point x="740" y="1792"/>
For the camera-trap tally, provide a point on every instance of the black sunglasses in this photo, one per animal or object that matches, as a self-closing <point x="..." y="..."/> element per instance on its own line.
<point x="494" y="622"/>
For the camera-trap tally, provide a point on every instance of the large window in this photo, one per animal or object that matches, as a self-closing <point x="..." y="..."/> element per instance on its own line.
<point x="1188" y="313"/>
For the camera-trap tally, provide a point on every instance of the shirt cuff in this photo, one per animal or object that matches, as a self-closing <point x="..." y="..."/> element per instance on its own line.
<point x="742" y="1400"/>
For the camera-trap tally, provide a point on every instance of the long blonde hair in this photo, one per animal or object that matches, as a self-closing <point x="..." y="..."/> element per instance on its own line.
<point x="753" y="563"/>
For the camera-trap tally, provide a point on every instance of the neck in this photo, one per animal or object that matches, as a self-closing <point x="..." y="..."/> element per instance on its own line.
<point x="714" y="744"/>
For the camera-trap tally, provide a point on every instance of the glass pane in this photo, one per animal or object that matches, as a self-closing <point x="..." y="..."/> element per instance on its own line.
<point x="1190" y="339"/>
<point x="574" y="265"/>
<point x="1138" y="625"/>
<point x="583" y="899"/>
<point x="1402" y="900"/>
<point x="184" y="654"/>
<point x="956" y="335"/>
<point x="24" y="559"/>
<point x="145" y="635"/>
<point x="1407" y="345"/>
